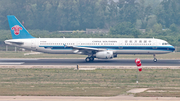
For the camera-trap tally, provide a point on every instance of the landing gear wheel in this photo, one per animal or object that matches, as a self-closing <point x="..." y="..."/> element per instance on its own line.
<point x="87" y="59"/>
<point x="155" y="60"/>
<point x="91" y="59"/>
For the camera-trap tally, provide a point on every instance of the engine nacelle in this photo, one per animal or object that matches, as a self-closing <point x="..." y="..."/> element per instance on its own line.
<point x="104" y="55"/>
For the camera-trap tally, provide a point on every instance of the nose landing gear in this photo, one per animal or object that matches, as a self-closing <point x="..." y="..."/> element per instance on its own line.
<point x="155" y="60"/>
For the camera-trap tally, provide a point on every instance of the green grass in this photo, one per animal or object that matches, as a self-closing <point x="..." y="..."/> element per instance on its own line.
<point x="12" y="54"/>
<point x="70" y="82"/>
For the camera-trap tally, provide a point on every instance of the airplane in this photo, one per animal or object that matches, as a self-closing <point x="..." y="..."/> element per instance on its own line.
<point x="100" y="48"/>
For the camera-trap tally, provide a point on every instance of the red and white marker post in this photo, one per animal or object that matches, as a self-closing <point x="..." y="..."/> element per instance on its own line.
<point x="138" y="63"/>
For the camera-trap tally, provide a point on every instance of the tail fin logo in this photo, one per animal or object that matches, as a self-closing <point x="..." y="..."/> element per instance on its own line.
<point x="16" y="29"/>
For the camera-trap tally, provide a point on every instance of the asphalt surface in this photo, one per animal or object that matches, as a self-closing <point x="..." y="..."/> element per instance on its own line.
<point x="69" y="62"/>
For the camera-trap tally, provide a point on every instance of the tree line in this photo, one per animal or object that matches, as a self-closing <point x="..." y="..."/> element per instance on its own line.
<point x="53" y="15"/>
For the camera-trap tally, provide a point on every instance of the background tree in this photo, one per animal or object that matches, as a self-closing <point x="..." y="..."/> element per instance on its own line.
<point x="173" y="28"/>
<point x="144" y="13"/>
<point x="125" y="28"/>
<point x="127" y="11"/>
<point x="157" y="28"/>
<point x="169" y="13"/>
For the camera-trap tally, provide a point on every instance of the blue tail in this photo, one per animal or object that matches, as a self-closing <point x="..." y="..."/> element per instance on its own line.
<point x="17" y="29"/>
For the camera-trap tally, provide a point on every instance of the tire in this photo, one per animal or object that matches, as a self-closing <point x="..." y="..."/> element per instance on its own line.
<point x="155" y="60"/>
<point x="87" y="59"/>
<point x="91" y="59"/>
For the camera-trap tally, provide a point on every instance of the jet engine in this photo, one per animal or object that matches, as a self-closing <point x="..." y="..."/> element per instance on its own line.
<point x="105" y="55"/>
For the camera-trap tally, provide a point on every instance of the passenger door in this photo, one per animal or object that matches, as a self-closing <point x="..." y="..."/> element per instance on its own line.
<point x="120" y="44"/>
<point x="33" y="45"/>
<point x="154" y="44"/>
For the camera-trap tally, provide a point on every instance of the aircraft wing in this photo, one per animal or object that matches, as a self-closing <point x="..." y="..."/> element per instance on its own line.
<point x="87" y="48"/>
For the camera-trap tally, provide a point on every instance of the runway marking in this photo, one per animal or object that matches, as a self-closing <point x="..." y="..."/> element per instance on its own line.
<point x="18" y="59"/>
<point x="11" y="63"/>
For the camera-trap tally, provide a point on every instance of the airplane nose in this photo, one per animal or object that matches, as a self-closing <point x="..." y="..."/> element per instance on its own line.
<point x="173" y="49"/>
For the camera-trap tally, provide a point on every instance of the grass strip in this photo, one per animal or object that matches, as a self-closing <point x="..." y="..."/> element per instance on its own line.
<point x="70" y="82"/>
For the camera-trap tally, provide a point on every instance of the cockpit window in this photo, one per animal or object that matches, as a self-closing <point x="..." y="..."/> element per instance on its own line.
<point x="165" y="44"/>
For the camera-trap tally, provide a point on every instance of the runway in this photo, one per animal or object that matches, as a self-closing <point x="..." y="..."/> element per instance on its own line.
<point x="72" y="62"/>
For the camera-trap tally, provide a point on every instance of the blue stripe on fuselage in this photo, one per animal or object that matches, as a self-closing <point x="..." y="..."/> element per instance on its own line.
<point x="161" y="48"/>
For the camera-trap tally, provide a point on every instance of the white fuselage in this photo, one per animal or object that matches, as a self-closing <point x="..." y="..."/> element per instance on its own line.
<point x="117" y="45"/>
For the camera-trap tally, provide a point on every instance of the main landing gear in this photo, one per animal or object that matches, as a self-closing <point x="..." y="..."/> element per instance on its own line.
<point x="155" y="60"/>
<point x="89" y="59"/>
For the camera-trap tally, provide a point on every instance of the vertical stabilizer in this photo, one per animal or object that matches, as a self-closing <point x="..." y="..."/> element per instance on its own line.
<point x="17" y="29"/>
